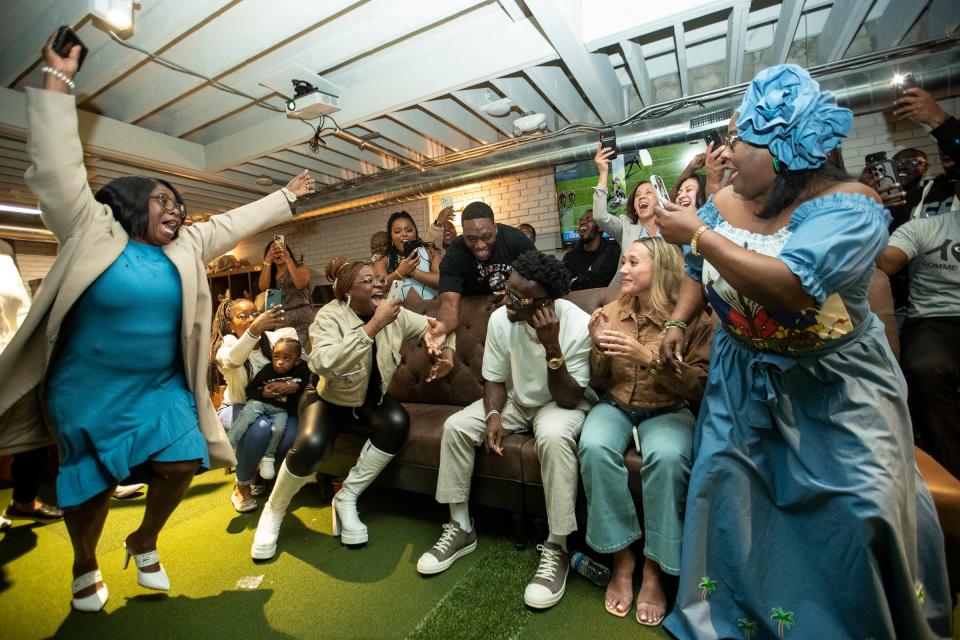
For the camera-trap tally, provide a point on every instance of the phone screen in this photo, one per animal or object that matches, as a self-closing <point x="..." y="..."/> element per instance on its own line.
<point x="273" y="299"/>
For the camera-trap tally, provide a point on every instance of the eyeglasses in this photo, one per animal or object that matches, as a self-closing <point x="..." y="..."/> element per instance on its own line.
<point x="369" y="280"/>
<point x="731" y="141"/>
<point x="169" y="205"/>
<point x="913" y="162"/>
<point x="247" y="315"/>
<point x="517" y="301"/>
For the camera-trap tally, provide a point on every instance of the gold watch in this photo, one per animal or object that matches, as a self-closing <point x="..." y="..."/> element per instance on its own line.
<point x="555" y="363"/>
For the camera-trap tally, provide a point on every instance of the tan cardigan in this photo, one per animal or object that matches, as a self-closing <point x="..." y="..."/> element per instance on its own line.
<point x="340" y="351"/>
<point x="90" y="241"/>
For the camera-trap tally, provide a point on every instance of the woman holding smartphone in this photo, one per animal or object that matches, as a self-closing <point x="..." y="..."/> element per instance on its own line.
<point x="112" y="356"/>
<point x="408" y="259"/>
<point x="282" y="271"/>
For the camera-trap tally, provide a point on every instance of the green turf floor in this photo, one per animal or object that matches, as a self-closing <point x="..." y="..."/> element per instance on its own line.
<point x="315" y="588"/>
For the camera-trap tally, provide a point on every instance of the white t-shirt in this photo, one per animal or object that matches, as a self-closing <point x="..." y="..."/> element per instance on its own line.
<point x="234" y="351"/>
<point x="513" y="355"/>
<point x="933" y="247"/>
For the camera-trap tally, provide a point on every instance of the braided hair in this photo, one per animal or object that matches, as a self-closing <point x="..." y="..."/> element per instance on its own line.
<point x="220" y="327"/>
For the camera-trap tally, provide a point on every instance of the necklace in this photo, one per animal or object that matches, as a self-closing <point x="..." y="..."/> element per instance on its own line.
<point x="531" y="333"/>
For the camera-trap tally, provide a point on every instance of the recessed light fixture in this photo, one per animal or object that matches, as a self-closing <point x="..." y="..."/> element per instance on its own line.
<point x="264" y="181"/>
<point x="15" y="209"/>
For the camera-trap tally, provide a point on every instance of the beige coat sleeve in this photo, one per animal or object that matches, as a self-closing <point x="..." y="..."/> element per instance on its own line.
<point x="56" y="173"/>
<point x="222" y="232"/>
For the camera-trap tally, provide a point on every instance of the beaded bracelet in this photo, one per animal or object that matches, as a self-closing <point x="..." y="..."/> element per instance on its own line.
<point x="59" y="75"/>
<point x="696" y="238"/>
<point x="492" y="412"/>
<point x="675" y="324"/>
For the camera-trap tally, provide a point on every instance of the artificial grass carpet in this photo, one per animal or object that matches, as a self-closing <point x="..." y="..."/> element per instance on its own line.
<point x="314" y="588"/>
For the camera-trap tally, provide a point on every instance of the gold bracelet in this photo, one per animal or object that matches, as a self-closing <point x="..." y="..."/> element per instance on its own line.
<point x="696" y="238"/>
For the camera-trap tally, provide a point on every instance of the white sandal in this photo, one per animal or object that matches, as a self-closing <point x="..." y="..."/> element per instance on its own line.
<point x="96" y="600"/>
<point x="156" y="580"/>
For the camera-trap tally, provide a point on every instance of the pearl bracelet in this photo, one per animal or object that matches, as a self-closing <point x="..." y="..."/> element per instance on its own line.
<point x="59" y="75"/>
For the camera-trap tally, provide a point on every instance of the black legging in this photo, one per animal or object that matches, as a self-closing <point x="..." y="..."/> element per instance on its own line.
<point x="386" y="425"/>
<point x="25" y="474"/>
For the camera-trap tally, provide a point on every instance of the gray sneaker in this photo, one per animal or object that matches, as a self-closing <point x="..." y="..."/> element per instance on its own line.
<point x="454" y="543"/>
<point x="550" y="580"/>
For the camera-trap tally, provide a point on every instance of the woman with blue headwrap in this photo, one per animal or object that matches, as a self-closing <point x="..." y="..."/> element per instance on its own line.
<point x="805" y="514"/>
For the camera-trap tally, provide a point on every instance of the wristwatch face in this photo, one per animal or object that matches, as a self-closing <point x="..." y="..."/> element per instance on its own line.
<point x="554" y="363"/>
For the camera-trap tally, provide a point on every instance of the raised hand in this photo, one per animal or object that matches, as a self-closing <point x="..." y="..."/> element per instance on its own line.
<point x="408" y="264"/>
<point x="547" y="325"/>
<point x="386" y="312"/>
<point x="267" y="321"/>
<point x="599" y="322"/>
<point x="68" y="66"/>
<point x="602" y="159"/>
<point x="446" y="215"/>
<point x="677" y="225"/>
<point x="917" y="104"/>
<point x="302" y="184"/>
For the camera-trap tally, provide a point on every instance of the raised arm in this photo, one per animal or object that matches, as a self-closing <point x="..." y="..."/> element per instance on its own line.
<point x="56" y="174"/>
<point x="604" y="219"/>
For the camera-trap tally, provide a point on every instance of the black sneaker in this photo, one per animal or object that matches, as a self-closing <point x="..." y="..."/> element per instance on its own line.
<point x="453" y="544"/>
<point x="43" y="513"/>
<point x="550" y="580"/>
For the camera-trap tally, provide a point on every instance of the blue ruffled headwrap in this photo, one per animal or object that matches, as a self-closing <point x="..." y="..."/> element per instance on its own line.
<point x="785" y="111"/>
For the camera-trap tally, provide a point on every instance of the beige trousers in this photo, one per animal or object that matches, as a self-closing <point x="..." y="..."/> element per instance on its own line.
<point x="555" y="431"/>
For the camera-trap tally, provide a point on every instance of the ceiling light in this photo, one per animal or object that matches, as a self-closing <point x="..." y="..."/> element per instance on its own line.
<point x="15" y="209"/>
<point x="264" y="181"/>
<point x="497" y="108"/>
<point x="116" y="13"/>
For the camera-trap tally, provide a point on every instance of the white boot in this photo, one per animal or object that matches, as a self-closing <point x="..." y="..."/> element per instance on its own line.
<point x="346" y="522"/>
<point x="268" y="529"/>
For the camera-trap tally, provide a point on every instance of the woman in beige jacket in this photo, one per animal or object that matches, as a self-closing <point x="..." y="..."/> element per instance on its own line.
<point x="356" y="340"/>
<point x="111" y="358"/>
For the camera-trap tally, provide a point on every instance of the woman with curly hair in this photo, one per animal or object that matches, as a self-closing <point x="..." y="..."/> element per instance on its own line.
<point x="805" y="509"/>
<point x="356" y="340"/>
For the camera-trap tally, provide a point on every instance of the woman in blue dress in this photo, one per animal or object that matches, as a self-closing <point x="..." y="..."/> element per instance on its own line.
<point x="417" y="271"/>
<point x="114" y="347"/>
<point x="805" y="514"/>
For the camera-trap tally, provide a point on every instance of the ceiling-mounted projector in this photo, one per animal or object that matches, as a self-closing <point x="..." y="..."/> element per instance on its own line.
<point x="308" y="95"/>
<point x="529" y="123"/>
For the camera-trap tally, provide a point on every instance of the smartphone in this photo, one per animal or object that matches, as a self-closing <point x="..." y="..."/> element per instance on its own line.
<point x="873" y="158"/>
<point x="396" y="291"/>
<point x="608" y="140"/>
<point x="663" y="196"/>
<point x="902" y="82"/>
<point x="884" y="173"/>
<point x="65" y="40"/>
<point x="278" y="239"/>
<point x="714" y="137"/>
<point x="409" y="246"/>
<point x="273" y="299"/>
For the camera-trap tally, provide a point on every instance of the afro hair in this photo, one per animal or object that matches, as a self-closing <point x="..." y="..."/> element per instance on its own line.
<point x="546" y="271"/>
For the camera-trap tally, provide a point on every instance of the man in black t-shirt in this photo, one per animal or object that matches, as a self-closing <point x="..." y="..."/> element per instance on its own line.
<point x="478" y="261"/>
<point x="593" y="260"/>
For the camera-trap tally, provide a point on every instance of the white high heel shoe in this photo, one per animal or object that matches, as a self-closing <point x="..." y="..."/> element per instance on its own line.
<point x="157" y="580"/>
<point x="96" y="600"/>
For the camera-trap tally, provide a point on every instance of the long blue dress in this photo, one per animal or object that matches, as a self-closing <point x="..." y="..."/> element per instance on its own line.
<point x="116" y="391"/>
<point x="806" y="517"/>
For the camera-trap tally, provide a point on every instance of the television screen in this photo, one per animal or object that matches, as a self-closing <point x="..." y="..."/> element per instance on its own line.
<point x="575" y="180"/>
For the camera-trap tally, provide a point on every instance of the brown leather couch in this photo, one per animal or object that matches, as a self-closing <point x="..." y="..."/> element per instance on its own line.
<point x="513" y="482"/>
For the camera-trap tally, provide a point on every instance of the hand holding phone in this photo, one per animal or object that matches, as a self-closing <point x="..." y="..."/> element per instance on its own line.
<point x="409" y="246"/>
<point x="272" y="299"/>
<point x="65" y="40"/>
<point x="660" y="190"/>
<point x="608" y="140"/>
<point x="396" y="291"/>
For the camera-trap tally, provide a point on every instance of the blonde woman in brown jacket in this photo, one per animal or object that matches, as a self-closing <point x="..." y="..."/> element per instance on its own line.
<point x="111" y="358"/>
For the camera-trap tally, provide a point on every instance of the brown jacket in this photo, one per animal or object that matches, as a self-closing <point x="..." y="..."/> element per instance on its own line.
<point x="635" y="386"/>
<point x="90" y="241"/>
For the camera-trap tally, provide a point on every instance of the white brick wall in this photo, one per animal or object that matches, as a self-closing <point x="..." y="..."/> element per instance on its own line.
<point x="880" y="132"/>
<point x="34" y="259"/>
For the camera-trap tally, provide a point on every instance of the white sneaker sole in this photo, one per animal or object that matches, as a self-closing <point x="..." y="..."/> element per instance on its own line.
<point x="263" y="552"/>
<point x="440" y="567"/>
<point x="547" y="602"/>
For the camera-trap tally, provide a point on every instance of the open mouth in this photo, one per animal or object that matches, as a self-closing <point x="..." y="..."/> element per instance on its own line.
<point x="376" y="298"/>
<point x="683" y="202"/>
<point x="582" y="229"/>
<point x="169" y="226"/>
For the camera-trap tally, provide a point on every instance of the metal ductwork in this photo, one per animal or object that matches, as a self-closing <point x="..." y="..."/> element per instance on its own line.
<point x="24" y="226"/>
<point x="862" y="84"/>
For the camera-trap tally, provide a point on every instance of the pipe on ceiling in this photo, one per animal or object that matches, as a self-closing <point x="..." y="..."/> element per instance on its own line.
<point x="863" y="90"/>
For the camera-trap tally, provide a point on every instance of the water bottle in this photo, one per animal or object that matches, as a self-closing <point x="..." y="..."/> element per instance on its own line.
<point x="590" y="569"/>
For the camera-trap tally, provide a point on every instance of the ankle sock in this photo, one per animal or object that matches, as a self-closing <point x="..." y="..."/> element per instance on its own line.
<point x="460" y="513"/>
<point x="561" y="541"/>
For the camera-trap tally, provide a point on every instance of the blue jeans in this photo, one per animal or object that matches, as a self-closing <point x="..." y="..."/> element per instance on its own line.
<point x="255" y="441"/>
<point x="666" y="438"/>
